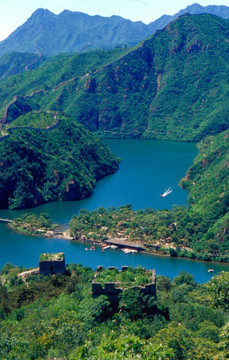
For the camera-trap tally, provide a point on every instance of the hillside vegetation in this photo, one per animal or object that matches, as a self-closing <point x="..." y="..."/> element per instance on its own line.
<point x="62" y="163"/>
<point x="14" y="63"/>
<point x="42" y="89"/>
<point x="173" y="86"/>
<point x="50" y="317"/>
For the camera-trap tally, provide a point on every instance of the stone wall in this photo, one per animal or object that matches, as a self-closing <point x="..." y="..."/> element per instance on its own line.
<point x="113" y="291"/>
<point x="52" y="266"/>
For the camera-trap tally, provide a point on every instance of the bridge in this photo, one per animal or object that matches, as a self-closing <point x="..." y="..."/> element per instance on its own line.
<point x="6" y="220"/>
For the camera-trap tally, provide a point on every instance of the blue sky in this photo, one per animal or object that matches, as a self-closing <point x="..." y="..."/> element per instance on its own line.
<point x="14" y="13"/>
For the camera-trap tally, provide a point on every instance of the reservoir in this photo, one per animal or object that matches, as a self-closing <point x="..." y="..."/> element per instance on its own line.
<point x="146" y="170"/>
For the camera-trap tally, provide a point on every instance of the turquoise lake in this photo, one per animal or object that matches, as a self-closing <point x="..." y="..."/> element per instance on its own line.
<point x="146" y="170"/>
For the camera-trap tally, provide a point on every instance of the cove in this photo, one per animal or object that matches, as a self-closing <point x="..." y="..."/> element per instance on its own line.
<point x="147" y="168"/>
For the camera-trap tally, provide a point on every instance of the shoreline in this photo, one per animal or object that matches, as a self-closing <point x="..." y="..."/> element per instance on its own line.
<point x="65" y="235"/>
<point x="154" y="253"/>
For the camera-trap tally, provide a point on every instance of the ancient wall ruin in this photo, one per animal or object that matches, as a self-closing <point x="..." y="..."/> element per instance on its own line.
<point x="113" y="290"/>
<point x="52" y="264"/>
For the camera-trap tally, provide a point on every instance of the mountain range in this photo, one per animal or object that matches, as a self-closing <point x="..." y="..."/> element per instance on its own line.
<point x="172" y="86"/>
<point x="49" y="34"/>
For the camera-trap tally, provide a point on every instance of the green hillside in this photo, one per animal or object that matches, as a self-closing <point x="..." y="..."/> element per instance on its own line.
<point x="173" y="86"/>
<point x="62" y="163"/>
<point x="43" y="88"/>
<point x="14" y="63"/>
<point x="55" y="317"/>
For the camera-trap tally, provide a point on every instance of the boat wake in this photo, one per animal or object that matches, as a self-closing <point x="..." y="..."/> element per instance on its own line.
<point x="166" y="192"/>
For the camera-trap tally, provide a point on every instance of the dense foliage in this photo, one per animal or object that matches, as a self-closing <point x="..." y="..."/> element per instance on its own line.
<point x="34" y="120"/>
<point x="171" y="86"/>
<point x="56" y="317"/>
<point x="14" y="63"/>
<point x="62" y="163"/>
<point x="168" y="87"/>
<point x="200" y="231"/>
<point x="33" y="224"/>
<point x="44" y="88"/>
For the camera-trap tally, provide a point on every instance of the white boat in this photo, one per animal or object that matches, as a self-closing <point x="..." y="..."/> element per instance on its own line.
<point x="166" y="192"/>
<point x="128" y="251"/>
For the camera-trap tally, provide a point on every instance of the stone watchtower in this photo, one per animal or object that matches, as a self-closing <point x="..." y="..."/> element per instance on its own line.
<point x="113" y="290"/>
<point x="52" y="264"/>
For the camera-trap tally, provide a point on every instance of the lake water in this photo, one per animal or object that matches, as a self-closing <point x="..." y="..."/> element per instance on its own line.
<point x="147" y="168"/>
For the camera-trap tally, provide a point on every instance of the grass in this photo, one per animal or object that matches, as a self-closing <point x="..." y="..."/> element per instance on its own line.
<point x="131" y="277"/>
<point x="52" y="257"/>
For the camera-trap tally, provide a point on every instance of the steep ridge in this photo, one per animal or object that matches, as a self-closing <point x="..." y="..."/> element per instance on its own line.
<point x="172" y="86"/>
<point x="194" y="9"/>
<point x="49" y="34"/>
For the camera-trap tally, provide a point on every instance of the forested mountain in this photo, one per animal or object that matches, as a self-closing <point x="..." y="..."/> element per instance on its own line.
<point x="59" y="163"/>
<point x="15" y="62"/>
<point x="172" y="86"/>
<point x="49" y="34"/>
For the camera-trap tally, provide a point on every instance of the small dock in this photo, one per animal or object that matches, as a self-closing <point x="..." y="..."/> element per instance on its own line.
<point x="6" y="220"/>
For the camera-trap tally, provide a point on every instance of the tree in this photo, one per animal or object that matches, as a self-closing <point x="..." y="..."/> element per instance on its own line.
<point x="184" y="278"/>
<point x="95" y="311"/>
<point x="163" y="283"/>
<point x="134" y="304"/>
<point x="218" y="288"/>
<point x="129" y="347"/>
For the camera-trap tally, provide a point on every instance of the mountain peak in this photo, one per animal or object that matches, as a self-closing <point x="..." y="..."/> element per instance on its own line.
<point x="49" y="34"/>
<point x="68" y="12"/>
<point x="40" y="13"/>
